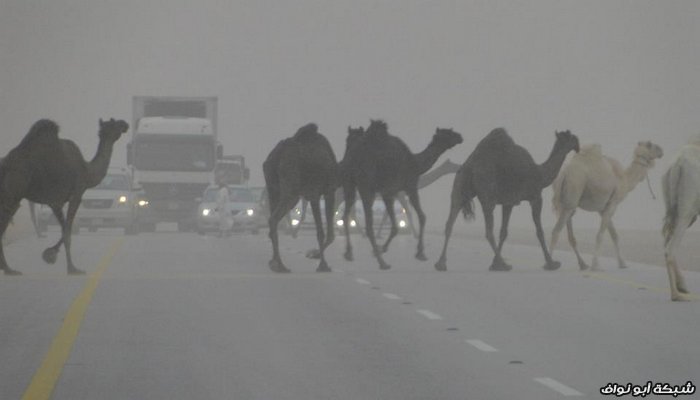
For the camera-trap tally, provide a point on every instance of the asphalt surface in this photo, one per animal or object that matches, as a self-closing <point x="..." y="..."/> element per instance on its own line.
<point x="182" y="316"/>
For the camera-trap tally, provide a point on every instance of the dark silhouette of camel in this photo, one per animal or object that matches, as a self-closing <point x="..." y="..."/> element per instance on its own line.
<point x="380" y="163"/>
<point x="47" y="170"/>
<point x="500" y="172"/>
<point x="301" y="166"/>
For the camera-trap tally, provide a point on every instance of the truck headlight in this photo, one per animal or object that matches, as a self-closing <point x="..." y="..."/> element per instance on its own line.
<point x="143" y="203"/>
<point x="339" y="222"/>
<point x="250" y="212"/>
<point x="353" y="223"/>
<point x="122" y="199"/>
<point x="205" y="212"/>
<point x="402" y="224"/>
<point x="295" y="222"/>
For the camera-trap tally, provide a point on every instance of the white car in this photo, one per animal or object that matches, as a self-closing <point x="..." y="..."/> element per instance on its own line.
<point x="379" y="215"/>
<point x="243" y="205"/>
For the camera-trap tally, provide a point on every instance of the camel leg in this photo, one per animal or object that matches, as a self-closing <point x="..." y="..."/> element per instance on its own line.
<point x="487" y="209"/>
<point x="614" y="237"/>
<point x="381" y="226"/>
<point x="73" y="205"/>
<point x="349" y="194"/>
<point x="441" y="264"/>
<point x="51" y="253"/>
<point x="499" y="263"/>
<point x="302" y="217"/>
<point x="536" y="206"/>
<point x="6" y="214"/>
<point x="283" y="207"/>
<point x="329" y="199"/>
<point x="572" y="241"/>
<point x="415" y="202"/>
<point x="562" y="219"/>
<point x="605" y="219"/>
<point x="678" y="288"/>
<point x="367" y="200"/>
<point x="389" y="205"/>
<point x="320" y="236"/>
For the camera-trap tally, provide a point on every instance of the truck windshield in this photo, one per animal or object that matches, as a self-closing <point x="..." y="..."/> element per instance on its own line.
<point x="113" y="182"/>
<point x="174" y="156"/>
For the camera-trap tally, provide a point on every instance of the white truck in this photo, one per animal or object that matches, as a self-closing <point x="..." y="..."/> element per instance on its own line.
<point x="173" y="154"/>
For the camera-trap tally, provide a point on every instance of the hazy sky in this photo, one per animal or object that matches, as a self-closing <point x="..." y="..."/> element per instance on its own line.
<point x="613" y="72"/>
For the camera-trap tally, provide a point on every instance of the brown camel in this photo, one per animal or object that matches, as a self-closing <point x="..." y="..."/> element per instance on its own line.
<point x="382" y="163"/>
<point x="47" y="170"/>
<point x="301" y="166"/>
<point x="500" y="172"/>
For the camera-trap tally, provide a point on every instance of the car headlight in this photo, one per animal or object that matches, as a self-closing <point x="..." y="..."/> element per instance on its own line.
<point x="295" y="222"/>
<point x="205" y="212"/>
<point x="250" y="212"/>
<point x="122" y="199"/>
<point x="339" y="222"/>
<point x="143" y="203"/>
<point x="353" y="223"/>
<point x="402" y="224"/>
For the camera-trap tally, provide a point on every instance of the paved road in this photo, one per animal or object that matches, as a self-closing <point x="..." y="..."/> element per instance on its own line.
<point x="179" y="316"/>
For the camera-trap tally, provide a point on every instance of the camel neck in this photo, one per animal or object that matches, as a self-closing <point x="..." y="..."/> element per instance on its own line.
<point x="636" y="172"/>
<point x="429" y="177"/>
<point x="97" y="167"/>
<point x="550" y="168"/>
<point x="426" y="158"/>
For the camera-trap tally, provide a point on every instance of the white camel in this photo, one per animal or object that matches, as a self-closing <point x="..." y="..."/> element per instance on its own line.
<point x="594" y="182"/>
<point x="681" y="186"/>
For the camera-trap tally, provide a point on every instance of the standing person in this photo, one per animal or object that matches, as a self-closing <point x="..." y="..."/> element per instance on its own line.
<point x="222" y="205"/>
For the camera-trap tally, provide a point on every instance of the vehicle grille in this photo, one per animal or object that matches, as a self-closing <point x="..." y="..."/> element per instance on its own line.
<point x="97" y="203"/>
<point x="173" y="191"/>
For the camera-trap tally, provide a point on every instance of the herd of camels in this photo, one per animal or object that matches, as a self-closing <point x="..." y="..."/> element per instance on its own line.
<point x="49" y="170"/>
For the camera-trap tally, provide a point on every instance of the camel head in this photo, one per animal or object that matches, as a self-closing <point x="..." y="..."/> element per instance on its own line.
<point x="567" y="140"/>
<point x="646" y="152"/>
<point x="113" y="129"/>
<point x="378" y="126"/>
<point x="446" y="138"/>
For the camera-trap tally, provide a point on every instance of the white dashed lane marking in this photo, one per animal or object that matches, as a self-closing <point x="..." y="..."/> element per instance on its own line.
<point x="391" y="296"/>
<point x="558" y="387"/>
<point x="481" y="345"/>
<point x="429" y="314"/>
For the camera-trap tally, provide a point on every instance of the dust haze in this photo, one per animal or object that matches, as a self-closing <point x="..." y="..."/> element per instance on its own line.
<point x="613" y="72"/>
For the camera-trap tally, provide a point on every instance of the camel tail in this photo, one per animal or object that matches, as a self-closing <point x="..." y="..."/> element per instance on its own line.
<point x="557" y="187"/>
<point x="670" y="183"/>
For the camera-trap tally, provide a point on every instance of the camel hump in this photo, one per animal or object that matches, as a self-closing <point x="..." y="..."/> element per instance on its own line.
<point x="44" y="131"/>
<point x="591" y="150"/>
<point x="307" y="133"/>
<point x="498" y="137"/>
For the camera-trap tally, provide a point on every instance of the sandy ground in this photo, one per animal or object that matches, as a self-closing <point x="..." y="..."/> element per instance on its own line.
<point x="635" y="245"/>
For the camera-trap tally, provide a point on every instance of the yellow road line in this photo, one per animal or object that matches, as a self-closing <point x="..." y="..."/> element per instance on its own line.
<point x="47" y="375"/>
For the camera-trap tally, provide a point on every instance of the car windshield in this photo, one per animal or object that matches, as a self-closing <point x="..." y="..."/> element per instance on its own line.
<point x="113" y="182"/>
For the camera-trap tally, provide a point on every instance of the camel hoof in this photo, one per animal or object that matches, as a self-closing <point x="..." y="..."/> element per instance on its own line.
<point x="583" y="266"/>
<point x="679" y="298"/>
<point x="552" y="266"/>
<point x="384" y="266"/>
<point x="441" y="265"/>
<point x="75" y="271"/>
<point x="502" y="266"/>
<point x="421" y="257"/>
<point x="277" y="266"/>
<point x="623" y="265"/>
<point x="11" y="272"/>
<point x="49" y="255"/>
<point x="313" y="254"/>
<point x="348" y="256"/>
<point x="323" y="267"/>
